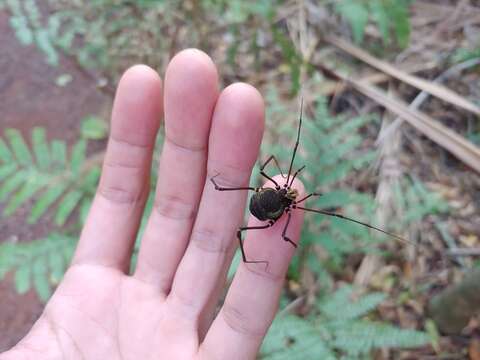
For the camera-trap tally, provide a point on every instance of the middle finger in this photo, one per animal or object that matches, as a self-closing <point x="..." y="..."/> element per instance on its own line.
<point x="191" y="91"/>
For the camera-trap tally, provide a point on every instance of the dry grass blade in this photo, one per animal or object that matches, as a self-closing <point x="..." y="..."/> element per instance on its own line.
<point x="439" y="91"/>
<point x="454" y="143"/>
<point x="335" y="87"/>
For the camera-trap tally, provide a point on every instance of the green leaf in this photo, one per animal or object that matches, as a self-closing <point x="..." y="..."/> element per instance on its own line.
<point x="7" y="170"/>
<point x="90" y="180"/>
<point x="19" y="147"/>
<point x="51" y="195"/>
<point x="94" y="128"/>
<point x="380" y="15"/>
<point x="11" y="184"/>
<point x="363" y="336"/>
<point x="40" y="279"/>
<point x="57" y="266"/>
<point x="44" y="43"/>
<point x="66" y="206"/>
<point x="59" y="153"/>
<point x="356" y="14"/>
<point x="291" y="337"/>
<point x="354" y="307"/>
<point x="22" y="30"/>
<point x="6" y="155"/>
<point x="22" y="278"/>
<point x="24" y="194"/>
<point x="78" y="155"/>
<point x="401" y="23"/>
<point x="40" y="148"/>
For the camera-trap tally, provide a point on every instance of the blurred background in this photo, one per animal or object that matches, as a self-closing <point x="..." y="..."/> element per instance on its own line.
<point x="391" y="131"/>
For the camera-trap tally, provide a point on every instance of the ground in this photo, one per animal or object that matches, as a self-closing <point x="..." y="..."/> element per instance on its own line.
<point x="30" y="97"/>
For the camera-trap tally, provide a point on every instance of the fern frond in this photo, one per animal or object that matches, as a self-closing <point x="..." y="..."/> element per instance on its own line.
<point x="361" y="337"/>
<point x="291" y="337"/>
<point x="19" y="147"/>
<point x="416" y="201"/>
<point x="40" y="148"/>
<point x="44" y="174"/>
<point x="39" y="264"/>
<point x="352" y="306"/>
<point x="390" y="16"/>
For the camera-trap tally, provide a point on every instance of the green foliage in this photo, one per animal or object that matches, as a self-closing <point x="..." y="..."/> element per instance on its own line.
<point x="26" y="21"/>
<point x="108" y="35"/>
<point x="334" y="334"/>
<point x="45" y="175"/>
<point x="465" y="54"/>
<point x="390" y="16"/>
<point x="55" y="183"/>
<point x="416" y="202"/>
<point x="94" y="128"/>
<point x="331" y="148"/>
<point x="39" y="264"/>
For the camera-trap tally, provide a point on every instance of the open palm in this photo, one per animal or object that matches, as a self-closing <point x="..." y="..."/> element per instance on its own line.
<point x="167" y="308"/>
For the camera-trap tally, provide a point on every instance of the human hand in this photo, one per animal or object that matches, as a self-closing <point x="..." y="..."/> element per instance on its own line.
<point x="166" y="308"/>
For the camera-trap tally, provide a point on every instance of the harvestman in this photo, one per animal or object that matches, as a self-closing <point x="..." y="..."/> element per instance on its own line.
<point x="269" y="204"/>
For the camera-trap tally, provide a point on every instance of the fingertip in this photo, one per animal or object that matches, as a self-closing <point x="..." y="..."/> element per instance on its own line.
<point x="139" y="79"/>
<point x="137" y="107"/>
<point x="249" y="102"/>
<point x="192" y="58"/>
<point x="189" y="65"/>
<point x="238" y="127"/>
<point x="191" y="91"/>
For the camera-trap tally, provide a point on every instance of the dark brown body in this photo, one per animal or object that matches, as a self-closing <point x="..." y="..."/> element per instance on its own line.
<point x="269" y="204"/>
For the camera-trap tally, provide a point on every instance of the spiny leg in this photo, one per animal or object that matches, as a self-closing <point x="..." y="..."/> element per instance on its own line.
<point x="285" y="237"/>
<point x="240" y="241"/>
<point x="306" y="197"/>
<point x="221" y="188"/>
<point x="272" y="157"/>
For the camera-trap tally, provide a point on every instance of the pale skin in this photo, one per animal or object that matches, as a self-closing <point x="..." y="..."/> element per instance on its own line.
<point x="167" y="307"/>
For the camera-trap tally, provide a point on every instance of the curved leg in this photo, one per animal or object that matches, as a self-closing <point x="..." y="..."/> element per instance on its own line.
<point x="221" y="188"/>
<point x="285" y="237"/>
<point x="295" y="175"/>
<point x="306" y="197"/>
<point x="240" y="241"/>
<point x="272" y="157"/>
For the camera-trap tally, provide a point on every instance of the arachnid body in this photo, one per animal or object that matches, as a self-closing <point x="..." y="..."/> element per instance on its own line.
<point x="270" y="203"/>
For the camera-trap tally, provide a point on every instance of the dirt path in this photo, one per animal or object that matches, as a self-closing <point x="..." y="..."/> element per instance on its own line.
<point x="28" y="98"/>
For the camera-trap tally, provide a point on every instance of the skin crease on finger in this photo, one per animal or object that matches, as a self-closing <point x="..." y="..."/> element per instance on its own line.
<point x="99" y="311"/>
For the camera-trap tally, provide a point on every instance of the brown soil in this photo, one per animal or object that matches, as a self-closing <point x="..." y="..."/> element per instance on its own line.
<point x="29" y="97"/>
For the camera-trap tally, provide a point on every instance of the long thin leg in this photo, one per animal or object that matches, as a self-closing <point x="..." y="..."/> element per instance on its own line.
<point x="399" y="238"/>
<point x="295" y="175"/>
<point x="306" y="197"/>
<point x="272" y="157"/>
<point x="285" y="237"/>
<point x="271" y="179"/>
<point x="264" y="174"/>
<point x="240" y="241"/>
<point x="221" y="188"/>
<point x="297" y="142"/>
